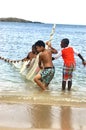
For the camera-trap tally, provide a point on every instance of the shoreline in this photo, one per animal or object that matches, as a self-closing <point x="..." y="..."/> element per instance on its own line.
<point x="43" y="98"/>
<point x="41" y="110"/>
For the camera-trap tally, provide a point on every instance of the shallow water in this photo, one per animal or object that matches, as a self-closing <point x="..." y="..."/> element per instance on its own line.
<point x="16" y="40"/>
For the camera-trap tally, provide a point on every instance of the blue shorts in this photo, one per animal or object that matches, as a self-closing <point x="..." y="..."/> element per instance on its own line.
<point x="47" y="74"/>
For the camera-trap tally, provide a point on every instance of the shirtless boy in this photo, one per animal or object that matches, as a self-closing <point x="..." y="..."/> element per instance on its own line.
<point x="45" y="63"/>
<point x="31" y="54"/>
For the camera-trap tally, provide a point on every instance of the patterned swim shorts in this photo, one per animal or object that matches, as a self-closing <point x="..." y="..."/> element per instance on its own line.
<point x="47" y="74"/>
<point x="68" y="72"/>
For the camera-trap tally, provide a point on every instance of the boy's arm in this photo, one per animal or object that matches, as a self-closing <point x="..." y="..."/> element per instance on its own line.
<point x="40" y="63"/>
<point x="27" y="57"/>
<point x="53" y="50"/>
<point x="81" y="57"/>
<point x="58" y="55"/>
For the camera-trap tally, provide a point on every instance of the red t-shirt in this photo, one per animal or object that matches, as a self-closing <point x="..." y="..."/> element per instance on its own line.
<point x="68" y="55"/>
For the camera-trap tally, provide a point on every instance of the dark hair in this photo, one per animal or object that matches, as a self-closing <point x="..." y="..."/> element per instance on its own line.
<point x="33" y="46"/>
<point x="40" y="43"/>
<point x="65" y="41"/>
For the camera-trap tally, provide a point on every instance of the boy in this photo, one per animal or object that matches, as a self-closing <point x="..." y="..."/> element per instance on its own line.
<point x="45" y="63"/>
<point x="31" y="54"/>
<point x="67" y="54"/>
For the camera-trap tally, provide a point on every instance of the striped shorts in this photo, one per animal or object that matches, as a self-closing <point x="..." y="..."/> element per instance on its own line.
<point x="68" y="72"/>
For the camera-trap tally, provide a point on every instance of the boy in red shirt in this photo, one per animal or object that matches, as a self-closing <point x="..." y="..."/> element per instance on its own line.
<point x="67" y="54"/>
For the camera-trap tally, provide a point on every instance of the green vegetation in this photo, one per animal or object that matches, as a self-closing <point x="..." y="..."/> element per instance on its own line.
<point x="10" y="19"/>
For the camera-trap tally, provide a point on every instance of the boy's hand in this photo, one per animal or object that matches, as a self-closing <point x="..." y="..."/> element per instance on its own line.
<point x="53" y="58"/>
<point x="48" y="43"/>
<point x="84" y="63"/>
<point x="28" y="65"/>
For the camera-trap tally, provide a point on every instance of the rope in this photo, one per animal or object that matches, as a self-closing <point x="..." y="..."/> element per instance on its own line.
<point x="52" y="32"/>
<point x="51" y="35"/>
<point x="23" y="60"/>
<point x="12" y="61"/>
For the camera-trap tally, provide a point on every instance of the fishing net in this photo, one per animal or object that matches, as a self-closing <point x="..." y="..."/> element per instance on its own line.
<point x="26" y="67"/>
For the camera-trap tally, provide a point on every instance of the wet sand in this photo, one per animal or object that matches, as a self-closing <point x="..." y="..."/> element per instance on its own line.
<point x="24" y="116"/>
<point x="38" y="111"/>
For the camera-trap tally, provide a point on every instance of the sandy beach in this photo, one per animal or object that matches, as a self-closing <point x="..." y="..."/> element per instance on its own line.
<point x="21" y="114"/>
<point x="38" y="117"/>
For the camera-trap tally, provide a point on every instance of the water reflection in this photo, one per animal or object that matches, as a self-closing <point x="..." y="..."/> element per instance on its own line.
<point x="65" y="116"/>
<point x="45" y="116"/>
<point x="38" y="116"/>
<point x="56" y="117"/>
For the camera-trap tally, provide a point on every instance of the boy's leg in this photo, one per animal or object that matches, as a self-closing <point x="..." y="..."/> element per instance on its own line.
<point x="37" y="79"/>
<point x="70" y="78"/>
<point x="68" y="72"/>
<point x="69" y="85"/>
<point x="63" y="85"/>
<point x="63" y="78"/>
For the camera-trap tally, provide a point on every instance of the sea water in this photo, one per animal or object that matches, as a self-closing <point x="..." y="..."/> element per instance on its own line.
<point x="16" y="40"/>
